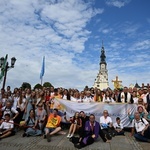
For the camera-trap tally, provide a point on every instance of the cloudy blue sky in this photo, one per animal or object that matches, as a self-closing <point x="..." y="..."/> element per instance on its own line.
<point x="69" y="33"/>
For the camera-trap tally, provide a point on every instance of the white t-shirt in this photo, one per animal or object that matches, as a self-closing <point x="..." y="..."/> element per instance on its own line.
<point x="118" y="126"/>
<point x="73" y="99"/>
<point x="3" y="101"/>
<point x="88" y="99"/>
<point x="108" y="99"/>
<point x="139" y="125"/>
<point x="16" y="99"/>
<point x="104" y="120"/>
<point x="22" y="105"/>
<point x="64" y="97"/>
<point x="144" y="96"/>
<point x="135" y="99"/>
<point x="7" y="125"/>
<point x="8" y="111"/>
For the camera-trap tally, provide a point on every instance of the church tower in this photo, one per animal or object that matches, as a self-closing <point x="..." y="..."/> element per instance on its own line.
<point x="101" y="81"/>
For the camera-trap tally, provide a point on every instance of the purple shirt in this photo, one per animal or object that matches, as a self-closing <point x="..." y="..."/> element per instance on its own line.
<point x="91" y="130"/>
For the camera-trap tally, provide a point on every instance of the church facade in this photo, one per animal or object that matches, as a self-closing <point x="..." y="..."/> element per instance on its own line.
<point x="101" y="81"/>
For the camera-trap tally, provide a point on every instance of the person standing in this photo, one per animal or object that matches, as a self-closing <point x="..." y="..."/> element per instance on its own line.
<point x="125" y="96"/>
<point x="148" y="101"/>
<point x="41" y="116"/>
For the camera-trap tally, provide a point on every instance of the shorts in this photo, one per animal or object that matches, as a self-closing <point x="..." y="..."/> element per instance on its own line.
<point x="49" y="129"/>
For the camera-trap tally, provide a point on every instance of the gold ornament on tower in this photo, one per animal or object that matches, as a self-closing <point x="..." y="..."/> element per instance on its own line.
<point x="117" y="82"/>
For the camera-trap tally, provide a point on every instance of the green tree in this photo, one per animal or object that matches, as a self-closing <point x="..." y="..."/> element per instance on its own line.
<point x="47" y="84"/>
<point x="26" y="85"/>
<point x="38" y="86"/>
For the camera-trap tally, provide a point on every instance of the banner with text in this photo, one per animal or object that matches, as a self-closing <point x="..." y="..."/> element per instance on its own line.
<point x="114" y="109"/>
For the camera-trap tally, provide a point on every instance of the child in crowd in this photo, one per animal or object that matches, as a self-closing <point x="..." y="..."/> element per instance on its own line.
<point x="7" y="127"/>
<point x="118" y="126"/>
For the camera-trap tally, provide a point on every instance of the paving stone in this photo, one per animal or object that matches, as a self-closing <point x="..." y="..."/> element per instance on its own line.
<point x="60" y="142"/>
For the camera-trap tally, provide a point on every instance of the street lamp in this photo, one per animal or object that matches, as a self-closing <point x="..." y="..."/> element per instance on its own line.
<point x="1" y="61"/>
<point x="13" y="60"/>
<point x="4" y="65"/>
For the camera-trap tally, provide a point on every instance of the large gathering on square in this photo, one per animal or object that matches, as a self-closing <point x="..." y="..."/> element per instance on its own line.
<point x="33" y="111"/>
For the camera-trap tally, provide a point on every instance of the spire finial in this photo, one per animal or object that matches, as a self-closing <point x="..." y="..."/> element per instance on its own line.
<point x="102" y="44"/>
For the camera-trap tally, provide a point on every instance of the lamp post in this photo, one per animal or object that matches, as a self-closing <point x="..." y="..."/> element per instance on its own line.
<point x="4" y="65"/>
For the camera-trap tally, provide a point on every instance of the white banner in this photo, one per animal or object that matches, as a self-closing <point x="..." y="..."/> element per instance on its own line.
<point x="96" y="108"/>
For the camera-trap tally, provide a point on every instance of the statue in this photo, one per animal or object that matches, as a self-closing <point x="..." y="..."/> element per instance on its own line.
<point x="117" y="82"/>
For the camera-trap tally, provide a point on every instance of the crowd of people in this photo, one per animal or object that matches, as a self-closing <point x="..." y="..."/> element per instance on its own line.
<point x="33" y="110"/>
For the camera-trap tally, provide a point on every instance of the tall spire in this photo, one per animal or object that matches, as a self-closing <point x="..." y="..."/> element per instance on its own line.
<point x="103" y="57"/>
<point x="101" y="81"/>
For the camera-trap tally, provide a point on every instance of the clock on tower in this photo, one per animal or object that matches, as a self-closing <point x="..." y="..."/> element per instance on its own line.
<point x="102" y="66"/>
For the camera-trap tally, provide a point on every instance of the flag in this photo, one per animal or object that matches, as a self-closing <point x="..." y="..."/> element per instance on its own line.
<point x="43" y="68"/>
<point x="3" y="67"/>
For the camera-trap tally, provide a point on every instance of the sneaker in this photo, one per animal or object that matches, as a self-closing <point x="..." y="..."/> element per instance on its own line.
<point x="48" y="137"/>
<point x="68" y="136"/>
<point x="71" y="135"/>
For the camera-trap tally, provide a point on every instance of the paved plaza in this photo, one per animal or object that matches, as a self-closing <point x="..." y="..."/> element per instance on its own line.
<point x="60" y="142"/>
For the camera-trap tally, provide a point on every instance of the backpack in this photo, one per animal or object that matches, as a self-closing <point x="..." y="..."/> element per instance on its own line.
<point x="141" y="120"/>
<point x="7" y="111"/>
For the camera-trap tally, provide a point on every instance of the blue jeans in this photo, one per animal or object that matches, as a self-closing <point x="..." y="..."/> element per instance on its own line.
<point x="140" y="137"/>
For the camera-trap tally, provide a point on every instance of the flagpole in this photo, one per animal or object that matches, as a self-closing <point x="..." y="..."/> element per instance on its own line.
<point x="41" y="81"/>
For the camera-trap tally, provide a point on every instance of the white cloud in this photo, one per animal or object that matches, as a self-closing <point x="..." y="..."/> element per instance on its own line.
<point x="56" y="29"/>
<point x="117" y="3"/>
<point x="141" y="45"/>
<point x="130" y="29"/>
<point x="117" y="45"/>
<point x="105" y="31"/>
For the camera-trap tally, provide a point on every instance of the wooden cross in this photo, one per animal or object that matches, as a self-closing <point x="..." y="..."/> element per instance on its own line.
<point x="116" y="83"/>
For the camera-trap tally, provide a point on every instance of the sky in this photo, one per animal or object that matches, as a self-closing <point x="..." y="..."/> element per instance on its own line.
<point x="69" y="33"/>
